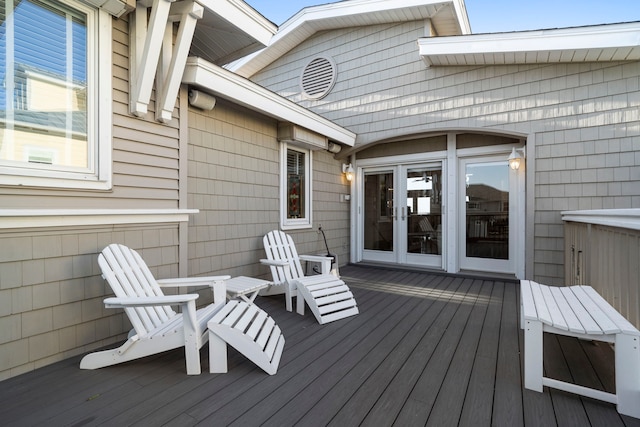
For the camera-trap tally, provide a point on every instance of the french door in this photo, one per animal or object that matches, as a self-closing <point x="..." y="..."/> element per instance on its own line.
<point x="402" y="219"/>
<point x="459" y="209"/>
<point x="487" y="214"/>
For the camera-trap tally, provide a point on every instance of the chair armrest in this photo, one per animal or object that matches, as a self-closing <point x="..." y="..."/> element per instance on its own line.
<point x="274" y="263"/>
<point x="192" y="281"/>
<point x="186" y="301"/>
<point x="115" y="302"/>
<point x="316" y="258"/>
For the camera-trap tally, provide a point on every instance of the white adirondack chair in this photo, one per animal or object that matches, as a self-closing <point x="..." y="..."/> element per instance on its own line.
<point x="327" y="296"/>
<point x="157" y="327"/>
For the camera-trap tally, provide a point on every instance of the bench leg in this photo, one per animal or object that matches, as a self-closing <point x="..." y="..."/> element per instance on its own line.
<point x="533" y="349"/>
<point x="627" y="367"/>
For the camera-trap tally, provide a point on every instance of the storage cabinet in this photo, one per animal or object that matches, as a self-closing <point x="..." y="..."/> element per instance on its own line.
<point x="608" y="259"/>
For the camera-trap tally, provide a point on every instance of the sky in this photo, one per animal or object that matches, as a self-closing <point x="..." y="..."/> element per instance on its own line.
<point x="492" y="16"/>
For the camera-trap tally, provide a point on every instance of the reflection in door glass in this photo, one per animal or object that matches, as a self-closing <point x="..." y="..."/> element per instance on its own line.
<point x="424" y="211"/>
<point x="487" y="210"/>
<point x="379" y="212"/>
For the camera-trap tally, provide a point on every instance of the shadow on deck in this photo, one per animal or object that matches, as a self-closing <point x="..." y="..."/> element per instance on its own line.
<point x="426" y="349"/>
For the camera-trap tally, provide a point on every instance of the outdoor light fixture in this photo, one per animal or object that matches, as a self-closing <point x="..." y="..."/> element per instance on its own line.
<point x="515" y="158"/>
<point x="333" y="148"/>
<point x="347" y="170"/>
<point x="201" y="100"/>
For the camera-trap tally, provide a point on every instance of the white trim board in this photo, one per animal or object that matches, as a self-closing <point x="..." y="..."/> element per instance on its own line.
<point x="614" y="42"/>
<point x="448" y="17"/>
<point x="30" y="218"/>
<point x="621" y="218"/>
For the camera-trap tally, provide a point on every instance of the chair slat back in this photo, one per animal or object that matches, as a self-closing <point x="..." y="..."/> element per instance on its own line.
<point x="280" y="247"/>
<point x="128" y="275"/>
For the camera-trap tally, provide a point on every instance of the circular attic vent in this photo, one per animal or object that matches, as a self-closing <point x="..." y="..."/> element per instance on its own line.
<point x="318" y="77"/>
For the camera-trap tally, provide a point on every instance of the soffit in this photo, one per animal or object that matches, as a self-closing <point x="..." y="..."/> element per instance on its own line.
<point x="447" y="17"/>
<point x="228" y="30"/>
<point x="614" y="42"/>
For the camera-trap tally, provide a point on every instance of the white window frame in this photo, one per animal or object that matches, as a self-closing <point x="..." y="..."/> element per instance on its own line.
<point x="295" y="223"/>
<point x="99" y="117"/>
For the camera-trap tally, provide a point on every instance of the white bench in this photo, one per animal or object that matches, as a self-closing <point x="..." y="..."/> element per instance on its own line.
<point x="579" y="311"/>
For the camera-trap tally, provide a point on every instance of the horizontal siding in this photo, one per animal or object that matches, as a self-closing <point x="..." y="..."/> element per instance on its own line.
<point x="583" y="117"/>
<point x="145" y="152"/>
<point x="131" y="159"/>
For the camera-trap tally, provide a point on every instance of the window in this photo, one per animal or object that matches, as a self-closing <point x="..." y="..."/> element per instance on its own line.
<point x="55" y="104"/>
<point x="296" y="188"/>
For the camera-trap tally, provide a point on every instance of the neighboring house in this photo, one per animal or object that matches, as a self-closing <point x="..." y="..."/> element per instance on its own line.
<point x="100" y="144"/>
<point x="426" y="97"/>
<point x="192" y="163"/>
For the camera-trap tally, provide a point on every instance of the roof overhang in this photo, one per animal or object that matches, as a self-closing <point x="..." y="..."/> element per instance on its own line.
<point x="614" y="42"/>
<point x="225" y="84"/>
<point x="230" y="29"/>
<point x="448" y="17"/>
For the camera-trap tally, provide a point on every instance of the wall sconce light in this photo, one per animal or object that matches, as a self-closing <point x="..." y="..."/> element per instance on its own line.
<point x="334" y="148"/>
<point x="515" y="158"/>
<point x="347" y="170"/>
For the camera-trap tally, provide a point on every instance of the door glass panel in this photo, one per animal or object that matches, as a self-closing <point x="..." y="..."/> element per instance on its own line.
<point x="379" y="211"/>
<point x="424" y="211"/>
<point x="487" y="210"/>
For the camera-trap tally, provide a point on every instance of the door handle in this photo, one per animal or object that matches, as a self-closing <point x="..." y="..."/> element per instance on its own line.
<point x="403" y="217"/>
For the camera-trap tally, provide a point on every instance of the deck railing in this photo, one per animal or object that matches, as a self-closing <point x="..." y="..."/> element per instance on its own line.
<point x="602" y="249"/>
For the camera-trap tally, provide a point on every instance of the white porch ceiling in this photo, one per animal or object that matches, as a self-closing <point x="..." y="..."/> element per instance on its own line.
<point x="230" y="30"/>
<point x="616" y="42"/>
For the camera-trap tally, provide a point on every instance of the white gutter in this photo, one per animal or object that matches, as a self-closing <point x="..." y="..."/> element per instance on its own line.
<point x="220" y="82"/>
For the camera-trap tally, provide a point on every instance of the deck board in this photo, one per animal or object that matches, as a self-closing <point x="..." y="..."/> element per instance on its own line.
<point x="507" y="402"/>
<point x="321" y="387"/>
<point x="478" y="401"/>
<point x="394" y="379"/>
<point x="347" y="386"/>
<point x="314" y="362"/>
<point x="426" y="349"/>
<point x="439" y="348"/>
<point x="450" y="400"/>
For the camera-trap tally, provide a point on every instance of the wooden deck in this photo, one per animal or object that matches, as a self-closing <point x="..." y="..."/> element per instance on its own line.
<point x="426" y="349"/>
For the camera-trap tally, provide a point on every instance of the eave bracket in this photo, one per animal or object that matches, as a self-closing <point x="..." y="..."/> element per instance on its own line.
<point x="155" y="57"/>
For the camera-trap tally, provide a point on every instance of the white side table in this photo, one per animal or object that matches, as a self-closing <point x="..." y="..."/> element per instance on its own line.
<point x="245" y="288"/>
